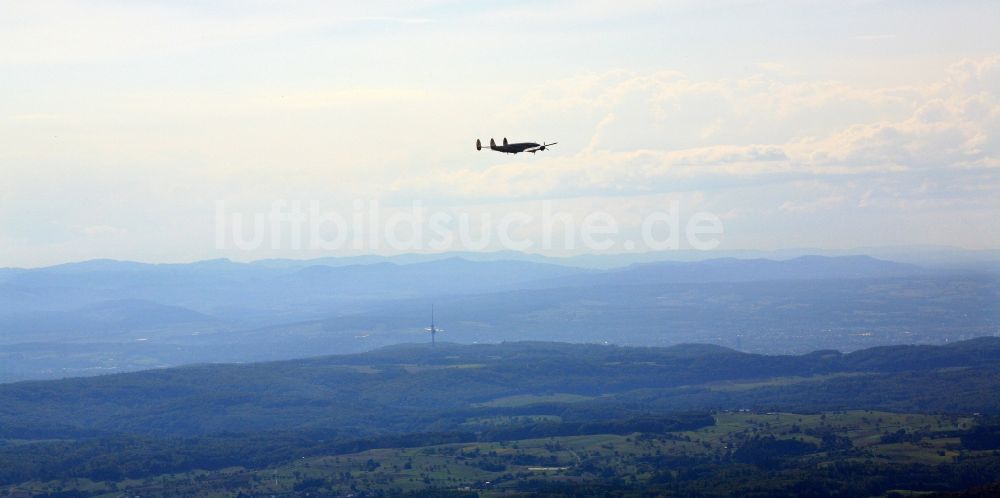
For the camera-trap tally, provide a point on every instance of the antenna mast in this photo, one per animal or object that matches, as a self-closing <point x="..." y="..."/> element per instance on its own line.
<point x="432" y="329"/>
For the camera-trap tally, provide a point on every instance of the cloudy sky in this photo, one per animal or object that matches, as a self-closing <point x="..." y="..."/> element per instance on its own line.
<point x="127" y="127"/>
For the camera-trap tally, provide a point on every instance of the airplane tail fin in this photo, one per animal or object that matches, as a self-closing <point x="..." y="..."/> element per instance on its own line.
<point x="504" y="141"/>
<point x="492" y="144"/>
<point x="479" y="145"/>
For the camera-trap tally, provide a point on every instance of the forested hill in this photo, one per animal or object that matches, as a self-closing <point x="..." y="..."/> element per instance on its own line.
<point x="419" y="388"/>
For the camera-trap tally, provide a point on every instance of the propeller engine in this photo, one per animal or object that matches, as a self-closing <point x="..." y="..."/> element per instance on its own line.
<point x="544" y="146"/>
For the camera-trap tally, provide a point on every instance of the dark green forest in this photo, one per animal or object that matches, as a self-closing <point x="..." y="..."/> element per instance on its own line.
<point x="95" y="435"/>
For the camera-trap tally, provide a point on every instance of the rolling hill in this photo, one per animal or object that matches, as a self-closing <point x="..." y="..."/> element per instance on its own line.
<point x="416" y="387"/>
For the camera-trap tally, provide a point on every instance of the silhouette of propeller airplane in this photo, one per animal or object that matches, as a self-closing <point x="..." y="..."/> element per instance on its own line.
<point x="509" y="148"/>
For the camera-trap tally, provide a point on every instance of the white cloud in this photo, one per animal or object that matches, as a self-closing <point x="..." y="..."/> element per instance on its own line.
<point x="812" y="206"/>
<point x="908" y="134"/>
<point x="139" y="115"/>
<point x="101" y="231"/>
<point x="60" y="32"/>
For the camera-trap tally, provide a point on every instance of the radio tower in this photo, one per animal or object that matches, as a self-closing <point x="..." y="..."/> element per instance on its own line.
<point x="432" y="329"/>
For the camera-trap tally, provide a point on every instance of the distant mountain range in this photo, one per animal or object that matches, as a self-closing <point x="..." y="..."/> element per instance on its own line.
<point x="222" y="281"/>
<point x="216" y="286"/>
<point x="745" y="270"/>
<point x="923" y="255"/>
<point x="102" y="315"/>
<point x="272" y="291"/>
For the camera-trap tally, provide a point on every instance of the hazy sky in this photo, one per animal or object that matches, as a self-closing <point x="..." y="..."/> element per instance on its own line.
<point x="125" y="125"/>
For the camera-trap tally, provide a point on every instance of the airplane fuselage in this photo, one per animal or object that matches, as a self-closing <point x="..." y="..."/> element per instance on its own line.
<point x="514" y="148"/>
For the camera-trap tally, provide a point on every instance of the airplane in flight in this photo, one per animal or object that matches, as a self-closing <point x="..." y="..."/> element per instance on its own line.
<point x="515" y="148"/>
